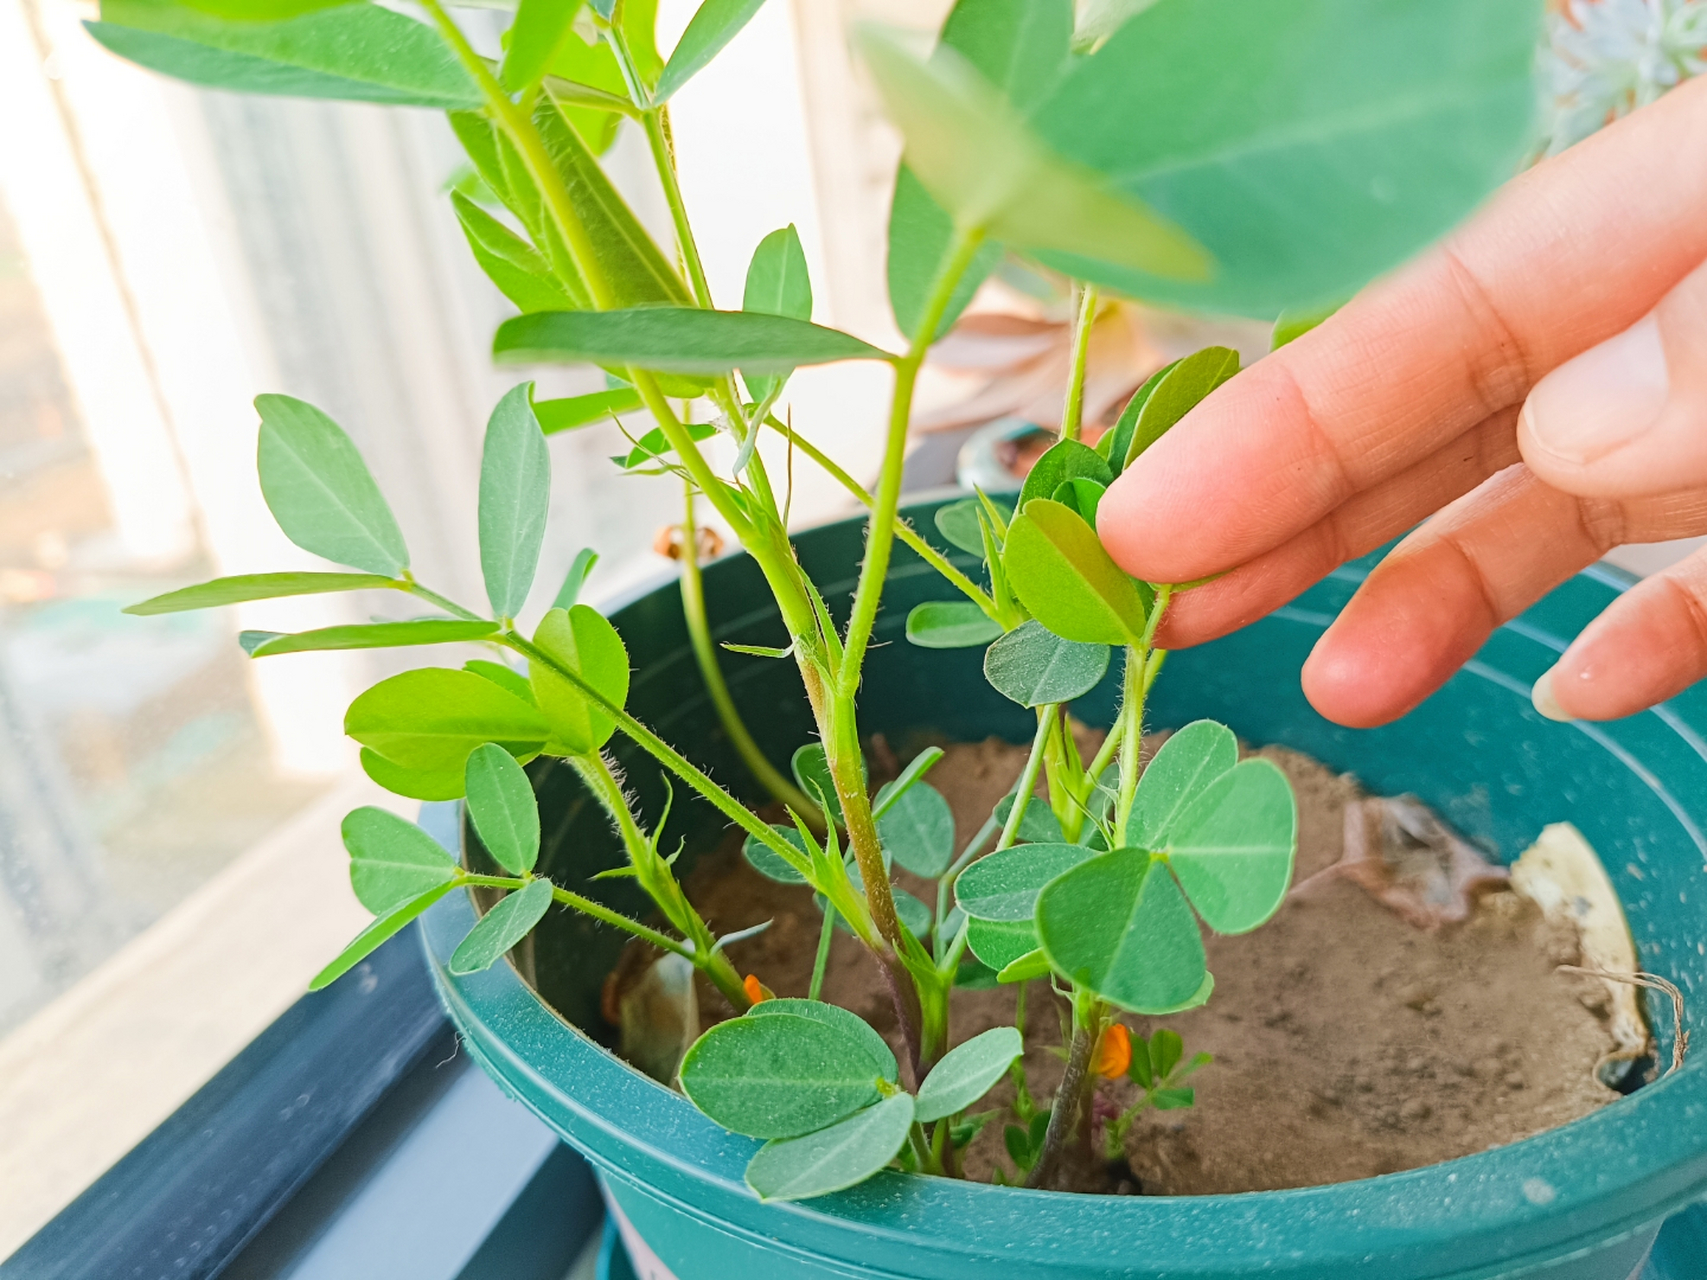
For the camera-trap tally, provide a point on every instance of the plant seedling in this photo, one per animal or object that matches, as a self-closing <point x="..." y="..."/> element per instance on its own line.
<point x="1226" y="156"/>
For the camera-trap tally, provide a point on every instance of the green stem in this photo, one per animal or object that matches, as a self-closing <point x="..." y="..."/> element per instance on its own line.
<point x="597" y="910"/>
<point x="433" y="597"/>
<point x="904" y="531"/>
<point x="1073" y="411"/>
<point x="1132" y="725"/>
<point x="1069" y="1115"/>
<point x="705" y="653"/>
<point x="1027" y="779"/>
<point x="656" y="124"/>
<point x="822" y="962"/>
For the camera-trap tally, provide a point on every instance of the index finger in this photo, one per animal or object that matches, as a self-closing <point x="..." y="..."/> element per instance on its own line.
<point x="1570" y="253"/>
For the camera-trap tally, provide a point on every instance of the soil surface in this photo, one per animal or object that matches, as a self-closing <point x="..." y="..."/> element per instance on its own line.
<point x="1348" y="1043"/>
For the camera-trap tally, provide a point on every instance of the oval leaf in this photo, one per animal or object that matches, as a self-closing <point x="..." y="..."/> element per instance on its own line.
<point x="677" y="340"/>
<point x="503" y="676"/>
<point x="958" y="523"/>
<point x="392" y="861"/>
<point x="1063" y="461"/>
<point x="1058" y="568"/>
<point x="320" y="491"/>
<point x="713" y="25"/>
<point x="918" y="831"/>
<point x="1117" y="441"/>
<point x="515" y="496"/>
<point x="967" y="1072"/>
<point x="376" y="635"/>
<point x="1026" y="968"/>
<point x="777" y="285"/>
<point x="380" y="931"/>
<point x="843" y="1020"/>
<point x="835" y="1158"/>
<point x="1118" y="926"/>
<point x="811" y="769"/>
<point x="1034" y="667"/>
<point x="781" y="1075"/>
<point x="1233" y="848"/>
<point x="768" y="862"/>
<point x="950" y="624"/>
<point x="1179" y="390"/>
<point x="1039" y="825"/>
<point x="256" y="586"/>
<point x="582" y="411"/>
<point x="354" y="52"/>
<point x="520" y="271"/>
<point x="920" y="237"/>
<point x="1321" y="143"/>
<point x="502" y="927"/>
<point x="431" y="719"/>
<point x="1004" y="885"/>
<point x="417" y="784"/>
<point x="582" y="640"/>
<point x="998" y="943"/>
<point x="502" y="807"/>
<point x="1181" y="771"/>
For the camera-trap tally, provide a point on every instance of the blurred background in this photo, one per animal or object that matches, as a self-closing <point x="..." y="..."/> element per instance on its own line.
<point x="170" y="874"/>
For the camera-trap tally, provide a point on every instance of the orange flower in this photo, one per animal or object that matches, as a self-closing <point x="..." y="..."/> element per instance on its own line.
<point x="758" y="992"/>
<point x="1114" y="1053"/>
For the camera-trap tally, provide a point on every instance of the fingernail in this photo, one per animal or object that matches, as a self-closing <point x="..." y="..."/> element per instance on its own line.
<point x="1542" y="696"/>
<point x="1602" y="399"/>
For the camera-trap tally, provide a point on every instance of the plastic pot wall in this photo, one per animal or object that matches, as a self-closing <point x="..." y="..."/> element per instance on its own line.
<point x="1582" y="1202"/>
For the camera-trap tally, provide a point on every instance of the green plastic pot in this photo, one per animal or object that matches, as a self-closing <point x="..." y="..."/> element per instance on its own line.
<point x="1581" y="1202"/>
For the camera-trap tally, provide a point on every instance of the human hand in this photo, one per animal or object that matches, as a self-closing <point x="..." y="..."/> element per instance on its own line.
<point x="1537" y="383"/>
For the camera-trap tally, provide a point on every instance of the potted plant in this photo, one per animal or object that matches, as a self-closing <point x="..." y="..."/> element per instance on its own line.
<point x="1237" y="156"/>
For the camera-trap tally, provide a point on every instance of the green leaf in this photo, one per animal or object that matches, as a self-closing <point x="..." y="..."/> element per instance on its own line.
<point x="835" y="1158"/>
<point x="677" y="340"/>
<point x="320" y="491"/>
<point x="1233" y="848"/>
<point x="967" y="1072"/>
<point x="811" y="770"/>
<point x="429" y="720"/>
<point x="256" y="586"/>
<point x="1061" y="462"/>
<point x="777" y="285"/>
<point x="380" y="931"/>
<point x="1181" y="771"/>
<point x="1020" y="48"/>
<point x="479" y="139"/>
<point x="1174" y="1099"/>
<point x="575" y="579"/>
<point x="653" y="445"/>
<point x="392" y="861"/>
<point x="639" y="21"/>
<point x="1035" y="667"/>
<point x="1038" y="826"/>
<point x="505" y="677"/>
<point x="980" y="161"/>
<point x="583" y="411"/>
<point x="713" y="25"/>
<point x="375" y="635"/>
<point x="515" y="497"/>
<point x="535" y="36"/>
<point x="582" y="640"/>
<point x="912" y="912"/>
<point x="590" y="90"/>
<point x="920" y="237"/>
<point x="638" y="272"/>
<point x="520" y="271"/>
<point x="918" y="830"/>
<point x="958" y="524"/>
<point x="502" y="927"/>
<point x="843" y="1020"/>
<point x="1117" y="442"/>
<point x="890" y="793"/>
<point x="1165" y="1050"/>
<point x="1034" y="964"/>
<point x="356" y="52"/>
<point x="1307" y="144"/>
<point x="780" y="1075"/>
<point x="1100" y="19"/>
<point x="418" y="784"/>
<point x="998" y="943"/>
<point x="1289" y="326"/>
<point x="261" y="10"/>
<point x="760" y="650"/>
<point x="1178" y="390"/>
<point x="1082" y="497"/>
<point x="502" y="807"/>
<point x="1059" y="570"/>
<point x="1004" y="886"/>
<point x="768" y="862"/>
<point x="1118" y="926"/>
<point x="950" y="624"/>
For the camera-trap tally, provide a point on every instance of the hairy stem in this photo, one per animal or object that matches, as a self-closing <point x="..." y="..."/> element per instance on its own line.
<point x="596" y="910"/>
<point x="1069" y="1117"/>
<point x="705" y="654"/>
<point x="1073" y="410"/>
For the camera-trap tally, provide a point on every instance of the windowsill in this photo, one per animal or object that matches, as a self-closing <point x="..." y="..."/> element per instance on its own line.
<point x="87" y="1078"/>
